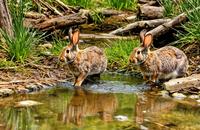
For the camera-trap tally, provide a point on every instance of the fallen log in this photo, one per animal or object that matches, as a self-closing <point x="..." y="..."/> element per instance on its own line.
<point x="165" y="27"/>
<point x="60" y="22"/>
<point x="103" y="36"/>
<point x="150" y="12"/>
<point x="139" y="25"/>
<point x="175" y="85"/>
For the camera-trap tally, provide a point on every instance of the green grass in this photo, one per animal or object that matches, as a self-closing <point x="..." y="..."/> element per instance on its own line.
<point x="81" y="3"/>
<point x="193" y="26"/>
<point x="97" y="17"/>
<point x="170" y="8"/>
<point x="119" y="52"/>
<point x="58" y="46"/>
<point x="122" y="4"/>
<point x="20" y="46"/>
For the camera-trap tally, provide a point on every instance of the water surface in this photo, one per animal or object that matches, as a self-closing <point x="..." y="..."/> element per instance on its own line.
<point x="92" y="108"/>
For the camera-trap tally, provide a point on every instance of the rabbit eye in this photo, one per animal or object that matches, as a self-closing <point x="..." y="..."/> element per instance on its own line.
<point x="138" y="52"/>
<point x="67" y="51"/>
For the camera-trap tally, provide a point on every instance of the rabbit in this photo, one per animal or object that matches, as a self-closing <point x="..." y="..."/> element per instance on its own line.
<point x="82" y="63"/>
<point x="162" y="64"/>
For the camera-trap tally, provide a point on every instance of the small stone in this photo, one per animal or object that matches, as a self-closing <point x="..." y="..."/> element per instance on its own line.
<point x="27" y="103"/>
<point x="178" y="95"/>
<point x="6" y="92"/>
<point x="121" y="118"/>
<point x="32" y="87"/>
<point x="131" y="18"/>
<point x="194" y="96"/>
<point x="198" y="100"/>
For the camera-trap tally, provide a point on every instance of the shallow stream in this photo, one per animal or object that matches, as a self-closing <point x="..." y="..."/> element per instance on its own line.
<point x="117" y="102"/>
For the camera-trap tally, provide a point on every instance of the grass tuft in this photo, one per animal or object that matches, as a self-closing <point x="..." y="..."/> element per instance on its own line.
<point x="58" y="46"/>
<point x="20" y="46"/>
<point x="193" y="26"/>
<point x="119" y="52"/>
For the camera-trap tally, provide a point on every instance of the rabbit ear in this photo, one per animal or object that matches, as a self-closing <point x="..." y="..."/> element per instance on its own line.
<point x="142" y="33"/>
<point x="70" y="35"/>
<point x="148" y="39"/>
<point x="75" y="37"/>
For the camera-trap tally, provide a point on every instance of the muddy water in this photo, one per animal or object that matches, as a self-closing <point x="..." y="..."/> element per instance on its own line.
<point x="120" y="104"/>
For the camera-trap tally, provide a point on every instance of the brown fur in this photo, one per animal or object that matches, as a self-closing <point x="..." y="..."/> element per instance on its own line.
<point x="82" y="63"/>
<point x="164" y="63"/>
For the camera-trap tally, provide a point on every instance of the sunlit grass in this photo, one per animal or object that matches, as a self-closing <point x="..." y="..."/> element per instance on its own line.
<point x="81" y="3"/>
<point x="119" y="51"/>
<point x="58" y="46"/>
<point x="122" y="4"/>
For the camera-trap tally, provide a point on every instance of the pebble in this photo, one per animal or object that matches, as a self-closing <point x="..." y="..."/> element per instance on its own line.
<point x="178" y="95"/>
<point x="194" y="96"/>
<point x="198" y="100"/>
<point x="121" y="118"/>
<point x="6" y="92"/>
<point x="27" y="103"/>
<point x="32" y="87"/>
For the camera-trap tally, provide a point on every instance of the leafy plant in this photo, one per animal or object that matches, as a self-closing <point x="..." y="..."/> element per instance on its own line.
<point x="20" y="46"/>
<point x="122" y="4"/>
<point x="119" y="52"/>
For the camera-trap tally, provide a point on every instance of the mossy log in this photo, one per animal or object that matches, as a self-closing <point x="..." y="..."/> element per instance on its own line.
<point x="175" y="85"/>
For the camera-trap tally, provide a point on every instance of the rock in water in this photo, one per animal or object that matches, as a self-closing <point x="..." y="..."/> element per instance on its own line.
<point x="121" y="118"/>
<point x="27" y="103"/>
<point x="178" y="95"/>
